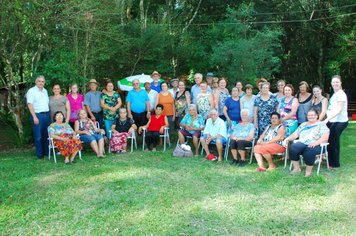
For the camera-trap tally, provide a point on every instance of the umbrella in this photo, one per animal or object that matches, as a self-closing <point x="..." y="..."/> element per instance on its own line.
<point x="126" y="84"/>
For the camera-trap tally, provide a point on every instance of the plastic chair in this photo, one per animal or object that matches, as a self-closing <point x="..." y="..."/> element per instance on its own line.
<point x="133" y="139"/>
<point x="247" y="148"/>
<point x="318" y="157"/>
<point x="53" y="147"/>
<point x="165" y="136"/>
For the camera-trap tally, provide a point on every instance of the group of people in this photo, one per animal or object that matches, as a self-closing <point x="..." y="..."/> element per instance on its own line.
<point x="207" y="108"/>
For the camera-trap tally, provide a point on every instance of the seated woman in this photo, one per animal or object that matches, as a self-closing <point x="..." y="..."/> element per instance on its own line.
<point x="311" y="134"/>
<point x="270" y="143"/>
<point x="241" y="138"/>
<point x="193" y="124"/>
<point x="155" y="127"/>
<point x="64" y="138"/>
<point x="121" y="130"/>
<point x="89" y="133"/>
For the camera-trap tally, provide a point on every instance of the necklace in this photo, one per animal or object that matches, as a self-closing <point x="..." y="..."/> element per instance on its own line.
<point x="122" y="122"/>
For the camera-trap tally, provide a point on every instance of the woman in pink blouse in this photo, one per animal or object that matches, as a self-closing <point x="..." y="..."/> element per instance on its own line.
<point x="76" y="101"/>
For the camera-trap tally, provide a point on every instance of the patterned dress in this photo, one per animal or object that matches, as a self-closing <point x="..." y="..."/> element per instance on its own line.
<point x="118" y="141"/>
<point x="286" y="108"/>
<point x="222" y="99"/>
<point x="181" y="104"/>
<point x="198" y="122"/>
<point x="66" y="148"/>
<point x="265" y="109"/>
<point x="110" y="101"/>
<point x="203" y="104"/>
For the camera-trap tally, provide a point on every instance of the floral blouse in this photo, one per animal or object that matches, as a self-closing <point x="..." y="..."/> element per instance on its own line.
<point x="57" y="130"/>
<point x="110" y="101"/>
<point x="197" y="123"/>
<point x="87" y="126"/>
<point x="243" y="131"/>
<point x="309" y="134"/>
<point x="181" y="103"/>
<point x="203" y="104"/>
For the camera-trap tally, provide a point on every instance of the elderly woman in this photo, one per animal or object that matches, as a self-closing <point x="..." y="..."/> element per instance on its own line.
<point x="193" y="124"/>
<point x="232" y="107"/>
<point x="311" y="134"/>
<point x="64" y="138"/>
<point x="110" y="101"/>
<point x="239" y="86"/>
<point x="89" y="133"/>
<point x="155" y="127"/>
<point x="270" y="143"/>
<point x="76" y="101"/>
<point x="181" y="102"/>
<point x="204" y="100"/>
<point x="265" y="104"/>
<point x="280" y="86"/>
<point x="248" y="101"/>
<point x="288" y="107"/>
<point x="220" y="96"/>
<point x="121" y="130"/>
<point x="57" y="102"/>
<point x="241" y="138"/>
<point x="165" y="98"/>
<point x="304" y="98"/>
<point x="319" y="102"/>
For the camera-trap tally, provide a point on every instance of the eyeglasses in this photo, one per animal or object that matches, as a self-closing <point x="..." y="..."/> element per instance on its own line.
<point x="58" y="116"/>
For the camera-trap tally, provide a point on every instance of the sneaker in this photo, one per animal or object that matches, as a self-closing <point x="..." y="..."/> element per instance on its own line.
<point x="234" y="162"/>
<point x="211" y="157"/>
<point x="242" y="163"/>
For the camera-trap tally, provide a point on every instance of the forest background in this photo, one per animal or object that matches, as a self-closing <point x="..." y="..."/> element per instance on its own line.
<point x="75" y="41"/>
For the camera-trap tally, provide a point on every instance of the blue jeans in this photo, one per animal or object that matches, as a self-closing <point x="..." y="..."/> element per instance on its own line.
<point x="108" y="124"/>
<point x="40" y="133"/>
<point x="90" y="138"/>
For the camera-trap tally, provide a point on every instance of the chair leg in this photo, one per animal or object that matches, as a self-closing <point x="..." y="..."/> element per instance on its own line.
<point x="251" y="156"/>
<point x="80" y="155"/>
<point x="54" y="154"/>
<point x="132" y="141"/>
<point x="286" y="157"/>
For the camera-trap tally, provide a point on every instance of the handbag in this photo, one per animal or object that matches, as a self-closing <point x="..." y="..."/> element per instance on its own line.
<point x="182" y="151"/>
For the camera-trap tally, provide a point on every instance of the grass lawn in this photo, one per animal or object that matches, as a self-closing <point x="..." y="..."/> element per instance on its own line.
<point x="158" y="194"/>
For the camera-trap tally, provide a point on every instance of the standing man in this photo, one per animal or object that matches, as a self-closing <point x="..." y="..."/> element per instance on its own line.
<point x="195" y="90"/>
<point x="138" y="104"/>
<point x="151" y="95"/>
<point x="38" y="104"/>
<point x="175" y="89"/>
<point x="92" y="103"/>
<point x="156" y="85"/>
<point x="209" y="79"/>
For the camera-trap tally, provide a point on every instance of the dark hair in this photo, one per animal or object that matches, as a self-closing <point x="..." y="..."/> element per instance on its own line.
<point x="248" y="86"/>
<point x="289" y="86"/>
<point x="109" y="82"/>
<point x="57" y="112"/>
<point x="55" y="85"/>
<point x="164" y="82"/>
<point x="314" y="110"/>
<point x="275" y="114"/>
<point x="317" y="86"/>
<point x="159" y="105"/>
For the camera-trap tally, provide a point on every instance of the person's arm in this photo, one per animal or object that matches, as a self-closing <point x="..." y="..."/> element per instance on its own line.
<point x="104" y="106"/>
<point x="259" y="141"/>
<point x="118" y="105"/>
<point x="161" y="130"/>
<point x="128" y="106"/>
<point x="92" y="117"/>
<point x="97" y="130"/>
<point x="340" y="106"/>
<point x="280" y="135"/>
<point x="255" y="116"/>
<point x="211" y="100"/>
<point x="145" y="126"/>
<point x="187" y="96"/>
<point x="323" y="139"/>
<point x="279" y="107"/>
<point x="290" y="138"/>
<point x="227" y="116"/>
<point x="156" y="100"/>
<point x="33" y="114"/>
<point x="148" y="109"/>
<point x="113" y="130"/>
<point x="67" y="119"/>
<point x="174" y="111"/>
<point x="241" y="104"/>
<point x="324" y="107"/>
<point x="294" y="110"/>
<point x="217" y="99"/>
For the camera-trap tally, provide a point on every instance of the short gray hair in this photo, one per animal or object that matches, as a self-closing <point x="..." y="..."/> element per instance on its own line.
<point x="245" y="110"/>
<point x="213" y="110"/>
<point x="137" y="80"/>
<point x="199" y="75"/>
<point x="122" y="108"/>
<point x="39" y="76"/>
<point x="192" y="105"/>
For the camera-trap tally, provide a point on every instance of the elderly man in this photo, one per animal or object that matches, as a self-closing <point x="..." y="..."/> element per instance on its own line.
<point x="151" y="95"/>
<point x="214" y="132"/>
<point x="138" y="104"/>
<point x="38" y="104"/>
<point x="175" y="89"/>
<point x="156" y="85"/>
<point x="92" y="103"/>
<point x="195" y="90"/>
<point x="209" y="79"/>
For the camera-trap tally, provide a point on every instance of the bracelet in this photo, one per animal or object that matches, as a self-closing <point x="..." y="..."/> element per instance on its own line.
<point x="148" y="112"/>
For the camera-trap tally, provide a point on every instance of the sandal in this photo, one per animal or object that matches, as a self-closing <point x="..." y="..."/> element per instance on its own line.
<point x="123" y="151"/>
<point x="259" y="169"/>
<point x="154" y="150"/>
<point x="146" y="150"/>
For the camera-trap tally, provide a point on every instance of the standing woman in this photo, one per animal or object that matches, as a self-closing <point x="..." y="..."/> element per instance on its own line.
<point x="215" y="84"/>
<point x="220" y="96"/>
<point x="337" y="120"/>
<point x="181" y="102"/>
<point x="304" y="98"/>
<point x="248" y="101"/>
<point x="280" y="86"/>
<point x="76" y="101"/>
<point x="204" y="101"/>
<point x="165" y="98"/>
<point x="287" y="108"/>
<point x="320" y="103"/>
<point x="232" y="108"/>
<point x="110" y="101"/>
<point x="264" y="106"/>
<point x="239" y="86"/>
<point x="57" y="102"/>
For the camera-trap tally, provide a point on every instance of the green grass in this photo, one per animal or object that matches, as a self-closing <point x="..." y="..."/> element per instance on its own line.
<point x="158" y="194"/>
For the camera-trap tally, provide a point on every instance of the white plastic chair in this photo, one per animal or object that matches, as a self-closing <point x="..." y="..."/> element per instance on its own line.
<point x="165" y="137"/>
<point x="133" y="139"/>
<point x="53" y="147"/>
<point x="247" y="148"/>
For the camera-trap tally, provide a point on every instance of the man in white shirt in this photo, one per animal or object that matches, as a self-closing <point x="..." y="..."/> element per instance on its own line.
<point x="214" y="132"/>
<point x="175" y="89"/>
<point x="151" y="95"/>
<point x="38" y="104"/>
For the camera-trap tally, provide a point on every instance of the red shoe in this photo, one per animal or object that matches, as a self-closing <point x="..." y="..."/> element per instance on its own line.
<point x="211" y="157"/>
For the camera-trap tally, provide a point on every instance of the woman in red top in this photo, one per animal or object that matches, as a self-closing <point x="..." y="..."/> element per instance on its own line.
<point x="155" y="127"/>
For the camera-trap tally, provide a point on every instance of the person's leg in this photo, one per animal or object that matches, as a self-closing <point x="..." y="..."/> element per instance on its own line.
<point x="205" y="146"/>
<point x="73" y="156"/>
<point x="94" y="146"/>
<point x="171" y="124"/>
<point x="91" y="140"/>
<point x="258" y="150"/>
<point x="38" y="137"/>
<point x="155" y="138"/>
<point x="219" y="146"/>
<point x="196" y="136"/>
<point x="309" y="158"/>
<point x="233" y="147"/>
<point x="180" y="136"/>
<point x="294" y="151"/>
<point x="241" y="147"/>
<point x="149" y="139"/>
<point x="100" y="141"/>
<point x="334" y="142"/>
<point x="99" y="119"/>
<point x="107" y="127"/>
<point x="44" y="125"/>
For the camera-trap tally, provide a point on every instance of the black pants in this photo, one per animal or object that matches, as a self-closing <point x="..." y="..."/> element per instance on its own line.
<point x="140" y="118"/>
<point x="99" y="118"/>
<point x="152" y="138"/>
<point x="240" y="145"/>
<point x="308" y="153"/>
<point x="336" y="129"/>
